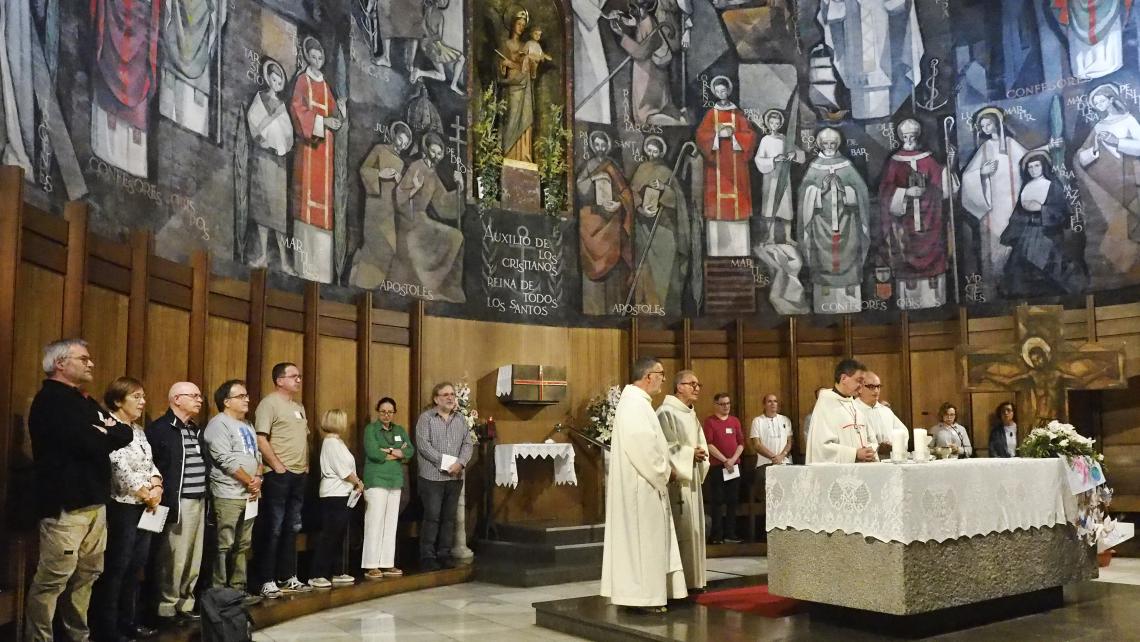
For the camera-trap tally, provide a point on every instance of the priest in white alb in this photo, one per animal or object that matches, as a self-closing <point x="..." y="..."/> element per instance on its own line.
<point x="838" y="432"/>
<point x="882" y="422"/>
<point x="689" y="456"/>
<point x="641" y="564"/>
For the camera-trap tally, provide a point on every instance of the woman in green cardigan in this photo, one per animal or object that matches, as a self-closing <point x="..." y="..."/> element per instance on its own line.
<point x="387" y="449"/>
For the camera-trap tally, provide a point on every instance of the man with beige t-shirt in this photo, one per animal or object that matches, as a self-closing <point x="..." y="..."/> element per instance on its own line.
<point x="283" y="439"/>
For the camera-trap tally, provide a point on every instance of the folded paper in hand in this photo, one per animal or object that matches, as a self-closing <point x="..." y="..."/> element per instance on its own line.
<point x="251" y="507"/>
<point x="445" y="462"/>
<point x="354" y="497"/>
<point x="154" y="522"/>
<point x="733" y="475"/>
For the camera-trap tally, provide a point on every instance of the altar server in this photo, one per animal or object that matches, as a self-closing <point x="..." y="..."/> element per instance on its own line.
<point x="838" y="431"/>
<point x="641" y="564"/>
<point x="689" y="456"/>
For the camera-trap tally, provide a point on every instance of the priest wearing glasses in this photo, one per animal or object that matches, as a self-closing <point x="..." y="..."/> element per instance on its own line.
<point x="838" y="430"/>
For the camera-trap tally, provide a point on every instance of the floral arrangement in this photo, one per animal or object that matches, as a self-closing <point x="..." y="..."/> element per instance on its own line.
<point x="550" y="148"/>
<point x="488" y="149"/>
<point x="600" y="413"/>
<point x="470" y="414"/>
<point x="1058" y="440"/>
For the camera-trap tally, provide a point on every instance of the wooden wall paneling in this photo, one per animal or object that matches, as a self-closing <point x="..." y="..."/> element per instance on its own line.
<point x="965" y="413"/>
<point x="634" y="339"/>
<point x="599" y="358"/>
<point x="744" y="406"/>
<point x="389" y="368"/>
<point x="336" y="387"/>
<point x="105" y="330"/>
<point x="255" y="372"/>
<point x="168" y="355"/>
<point x="199" y="316"/>
<point x="281" y="346"/>
<point x="38" y="321"/>
<point x="791" y="404"/>
<point x="982" y="406"/>
<point x="889" y="368"/>
<point x="11" y="226"/>
<point x="44" y="240"/>
<point x="226" y="344"/>
<point x="716" y="375"/>
<point x="416" y="345"/>
<point x="935" y="381"/>
<point x="311" y="355"/>
<point x="848" y="336"/>
<point x="763" y="376"/>
<point x="686" y="343"/>
<point x="75" y="279"/>
<point x="142" y="244"/>
<point x="908" y="414"/>
<point x="1120" y="440"/>
<point x="363" y="366"/>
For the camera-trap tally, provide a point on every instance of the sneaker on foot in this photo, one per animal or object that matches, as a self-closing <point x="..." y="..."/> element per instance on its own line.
<point x="392" y="572"/>
<point x="320" y="583"/>
<point x="270" y="590"/>
<point x="340" y="580"/>
<point x="294" y="585"/>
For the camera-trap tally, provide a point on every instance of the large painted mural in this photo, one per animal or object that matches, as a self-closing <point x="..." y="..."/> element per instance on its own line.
<point x="584" y="161"/>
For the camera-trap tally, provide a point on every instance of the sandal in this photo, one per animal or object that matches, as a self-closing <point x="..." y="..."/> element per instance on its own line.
<point x="373" y="574"/>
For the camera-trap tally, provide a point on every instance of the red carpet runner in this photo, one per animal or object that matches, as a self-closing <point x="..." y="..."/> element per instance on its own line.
<point x="750" y="599"/>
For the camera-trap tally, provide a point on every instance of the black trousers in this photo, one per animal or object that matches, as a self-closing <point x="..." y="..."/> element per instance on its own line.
<point x="277" y="525"/>
<point x="718" y="494"/>
<point x="440" y="500"/>
<point x="327" y="560"/>
<point x="114" y="597"/>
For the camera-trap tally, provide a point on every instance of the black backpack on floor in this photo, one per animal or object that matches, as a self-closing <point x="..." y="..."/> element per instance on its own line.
<point x="224" y="618"/>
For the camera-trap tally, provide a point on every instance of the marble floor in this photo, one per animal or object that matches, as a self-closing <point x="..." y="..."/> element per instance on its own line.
<point x="477" y="611"/>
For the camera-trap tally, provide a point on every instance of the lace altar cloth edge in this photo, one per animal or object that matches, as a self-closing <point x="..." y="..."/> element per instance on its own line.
<point x="906" y="503"/>
<point x="507" y="456"/>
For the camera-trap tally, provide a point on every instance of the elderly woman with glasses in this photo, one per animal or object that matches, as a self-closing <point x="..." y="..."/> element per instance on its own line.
<point x="387" y="452"/>
<point x="950" y="433"/>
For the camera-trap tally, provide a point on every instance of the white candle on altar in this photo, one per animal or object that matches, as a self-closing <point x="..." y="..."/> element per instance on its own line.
<point x="899" y="441"/>
<point x="921" y="450"/>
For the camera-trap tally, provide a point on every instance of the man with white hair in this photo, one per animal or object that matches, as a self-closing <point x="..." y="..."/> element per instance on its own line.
<point x="836" y="212"/>
<point x="914" y="232"/>
<point x="880" y="419"/>
<point x="180" y="456"/>
<point x="72" y="437"/>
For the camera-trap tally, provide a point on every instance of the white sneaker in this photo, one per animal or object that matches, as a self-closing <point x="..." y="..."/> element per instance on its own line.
<point x="320" y="583"/>
<point x="294" y="585"/>
<point x="343" y="580"/>
<point x="269" y="590"/>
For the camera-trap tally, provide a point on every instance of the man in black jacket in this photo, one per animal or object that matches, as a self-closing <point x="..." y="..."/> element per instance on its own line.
<point x="72" y="437"/>
<point x="180" y="456"/>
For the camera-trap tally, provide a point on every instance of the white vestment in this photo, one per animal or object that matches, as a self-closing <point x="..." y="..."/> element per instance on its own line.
<point x="992" y="199"/>
<point x="837" y="431"/>
<point x="881" y="421"/>
<point x="683" y="433"/>
<point x="773" y="204"/>
<point x="641" y="563"/>
<point x="590" y="69"/>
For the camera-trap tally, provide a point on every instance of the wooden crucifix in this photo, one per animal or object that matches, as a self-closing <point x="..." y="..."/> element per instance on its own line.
<point x="1042" y="367"/>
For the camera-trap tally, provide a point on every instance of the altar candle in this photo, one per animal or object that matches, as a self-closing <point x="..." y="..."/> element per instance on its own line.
<point x="921" y="451"/>
<point x="899" y="439"/>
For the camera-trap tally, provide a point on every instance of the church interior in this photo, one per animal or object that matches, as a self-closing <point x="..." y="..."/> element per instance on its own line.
<point x="520" y="275"/>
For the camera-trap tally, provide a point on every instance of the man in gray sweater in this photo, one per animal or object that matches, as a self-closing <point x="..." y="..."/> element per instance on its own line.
<point x="235" y="481"/>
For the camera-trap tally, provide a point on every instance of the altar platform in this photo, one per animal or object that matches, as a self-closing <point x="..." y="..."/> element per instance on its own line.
<point x="1090" y="611"/>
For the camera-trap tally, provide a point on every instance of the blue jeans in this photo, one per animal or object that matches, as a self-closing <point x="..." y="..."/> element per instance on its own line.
<point x="437" y="531"/>
<point x="277" y="525"/>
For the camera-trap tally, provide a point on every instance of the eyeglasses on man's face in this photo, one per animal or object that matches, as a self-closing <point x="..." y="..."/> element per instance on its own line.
<point x="659" y="373"/>
<point x="242" y="396"/>
<point x="873" y="386"/>
<point x="724" y="403"/>
<point x="196" y="396"/>
<point x="694" y="384"/>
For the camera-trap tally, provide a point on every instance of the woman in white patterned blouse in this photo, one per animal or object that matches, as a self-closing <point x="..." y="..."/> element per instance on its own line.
<point x="136" y="486"/>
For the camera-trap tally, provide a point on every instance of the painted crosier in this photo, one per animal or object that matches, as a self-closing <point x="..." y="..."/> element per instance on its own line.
<point x="316" y="116"/>
<point x="912" y="223"/>
<point x="662" y="233"/>
<point x="835" y="209"/>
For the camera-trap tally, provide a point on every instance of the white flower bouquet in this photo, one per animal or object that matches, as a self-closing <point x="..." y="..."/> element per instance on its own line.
<point x="600" y="414"/>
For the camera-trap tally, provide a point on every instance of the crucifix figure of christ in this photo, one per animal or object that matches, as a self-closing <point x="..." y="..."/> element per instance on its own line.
<point x="1041" y="367"/>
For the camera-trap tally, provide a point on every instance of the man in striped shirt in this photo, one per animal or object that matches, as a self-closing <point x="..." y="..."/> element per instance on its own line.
<point x="178" y="453"/>
<point x="443" y="448"/>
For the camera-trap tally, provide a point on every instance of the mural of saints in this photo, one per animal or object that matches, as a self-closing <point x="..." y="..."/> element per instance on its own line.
<point x="1108" y="168"/>
<point x="991" y="183"/>
<point x="191" y="35"/>
<point x="437" y="51"/>
<point x="590" y="69"/>
<point x="727" y="141"/>
<point x="429" y="252"/>
<point x="271" y="131"/>
<point x="662" y="231"/>
<point x="878" y="49"/>
<point x="774" y="158"/>
<point x="123" y="80"/>
<point x="912" y="223"/>
<point x="836" y="212"/>
<point x="650" y="92"/>
<point x="605" y="229"/>
<point x="380" y="173"/>
<point x="1037" y="264"/>
<point x="1095" y="31"/>
<point x="316" y="116"/>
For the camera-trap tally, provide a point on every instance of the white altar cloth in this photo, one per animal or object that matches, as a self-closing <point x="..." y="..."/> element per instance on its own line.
<point x="920" y="502"/>
<point x="507" y="455"/>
